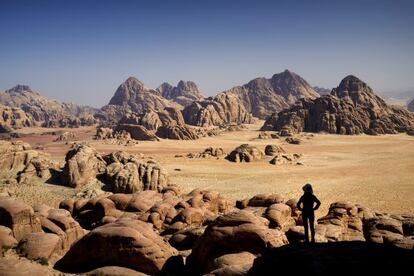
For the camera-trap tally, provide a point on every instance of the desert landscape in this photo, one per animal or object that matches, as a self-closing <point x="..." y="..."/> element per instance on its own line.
<point x="167" y="138"/>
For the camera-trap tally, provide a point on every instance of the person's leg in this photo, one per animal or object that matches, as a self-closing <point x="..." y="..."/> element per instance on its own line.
<point x="312" y="226"/>
<point x="305" y="225"/>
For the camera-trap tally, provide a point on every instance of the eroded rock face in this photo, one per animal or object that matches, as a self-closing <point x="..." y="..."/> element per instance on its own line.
<point x="83" y="164"/>
<point x="14" y="118"/>
<point x="184" y="93"/>
<point x="262" y="96"/>
<point x="126" y="242"/>
<point x="137" y="132"/>
<point x="223" y="109"/>
<point x="245" y="153"/>
<point x="20" y="162"/>
<point x="19" y="217"/>
<point x="129" y="174"/>
<point x="351" y="108"/>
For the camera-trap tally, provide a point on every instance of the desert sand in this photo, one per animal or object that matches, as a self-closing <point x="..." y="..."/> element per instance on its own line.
<point x="374" y="171"/>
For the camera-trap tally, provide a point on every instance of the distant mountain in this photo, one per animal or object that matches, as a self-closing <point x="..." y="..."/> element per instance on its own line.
<point x="41" y="108"/>
<point x="184" y="93"/>
<point x="351" y="108"/>
<point x="262" y="96"/>
<point x="133" y="96"/>
<point x="410" y="106"/>
<point x="322" y="91"/>
<point x="401" y="98"/>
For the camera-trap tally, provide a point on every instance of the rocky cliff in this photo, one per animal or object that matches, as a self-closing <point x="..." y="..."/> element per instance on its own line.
<point x="351" y="108"/>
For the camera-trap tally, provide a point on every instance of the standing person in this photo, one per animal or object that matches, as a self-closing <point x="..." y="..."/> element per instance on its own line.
<point x="306" y="205"/>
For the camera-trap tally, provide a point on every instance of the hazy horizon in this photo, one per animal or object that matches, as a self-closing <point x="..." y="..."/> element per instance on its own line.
<point x="81" y="51"/>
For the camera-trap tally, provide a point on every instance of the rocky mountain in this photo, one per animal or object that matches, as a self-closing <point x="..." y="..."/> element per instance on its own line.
<point x="410" y="106"/>
<point x="41" y="108"/>
<point x="224" y="109"/>
<point x="351" y="108"/>
<point x="133" y="96"/>
<point x="14" y="118"/>
<point x="262" y="96"/>
<point x="322" y="91"/>
<point x="184" y="93"/>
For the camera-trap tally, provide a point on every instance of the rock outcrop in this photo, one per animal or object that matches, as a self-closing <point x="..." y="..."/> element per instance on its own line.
<point x="184" y="93"/>
<point x="83" y="164"/>
<point x="50" y="113"/>
<point x="245" y="153"/>
<point x="167" y="124"/>
<point x="133" y="96"/>
<point x="262" y="96"/>
<point x="18" y="161"/>
<point x="352" y="108"/>
<point x="12" y="118"/>
<point x="223" y="109"/>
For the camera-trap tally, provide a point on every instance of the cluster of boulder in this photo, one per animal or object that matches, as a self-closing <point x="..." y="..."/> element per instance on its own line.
<point x="162" y="232"/>
<point x="209" y="152"/>
<point x="351" y="108"/>
<point x="19" y="163"/>
<point x="117" y="137"/>
<point x="13" y="118"/>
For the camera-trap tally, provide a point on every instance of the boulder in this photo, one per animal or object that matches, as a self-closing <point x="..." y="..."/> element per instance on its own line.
<point x="245" y="153"/>
<point x="137" y="132"/>
<point x="35" y="246"/>
<point x="6" y="238"/>
<point x="114" y="271"/>
<point x="235" y="232"/>
<point x="126" y="242"/>
<point x="274" y="150"/>
<point x="19" y="217"/>
<point x="83" y="164"/>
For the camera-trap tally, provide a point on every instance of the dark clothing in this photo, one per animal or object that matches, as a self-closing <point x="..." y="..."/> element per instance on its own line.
<point x="306" y="204"/>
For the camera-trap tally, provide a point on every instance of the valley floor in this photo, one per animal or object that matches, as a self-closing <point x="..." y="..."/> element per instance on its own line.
<point x="375" y="171"/>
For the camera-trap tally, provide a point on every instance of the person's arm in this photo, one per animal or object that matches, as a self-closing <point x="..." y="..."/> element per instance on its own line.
<point x="318" y="203"/>
<point x="299" y="203"/>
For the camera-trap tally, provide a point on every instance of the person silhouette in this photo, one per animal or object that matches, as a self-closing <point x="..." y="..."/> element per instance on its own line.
<point x="306" y="205"/>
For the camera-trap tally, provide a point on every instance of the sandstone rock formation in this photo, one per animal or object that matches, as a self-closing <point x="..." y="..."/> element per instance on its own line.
<point x="19" y="217"/>
<point x="262" y="96"/>
<point x="273" y="150"/>
<point x="14" y="118"/>
<point x="223" y="109"/>
<point x="208" y="153"/>
<point x="83" y="164"/>
<point x="245" y="153"/>
<point x="133" y="96"/>
<point x="20" y="162"/>
<point x="51" y="113"/>
<point x="167" y="123"/>
<point x="282" y="159"/>
<point x="184" y="93"/>
<point x="126" y="242"/>
<point x="128" y="174"/>
<point x="22" y="267"/>
<point x="352" y="108"/>
<point x="236" y="232"/>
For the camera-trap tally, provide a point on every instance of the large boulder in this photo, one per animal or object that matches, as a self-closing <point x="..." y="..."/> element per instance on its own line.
<point x="235" y="232"/>
<point x="245" y="153"/>
<point x="12" y="118"/>
<point x="6" y="238"/>
<point x="19" y="217"/>
<point x="83" y="164"/>
<point x="126" y="242"/>
<point x="137" y="132"/>
<point x="128" y="173"/>
<point x="177" y="133"/>
<point x="35" y="246"/>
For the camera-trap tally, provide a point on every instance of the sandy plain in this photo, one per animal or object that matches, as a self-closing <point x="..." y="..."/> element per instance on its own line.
<point x="374" y="171"/>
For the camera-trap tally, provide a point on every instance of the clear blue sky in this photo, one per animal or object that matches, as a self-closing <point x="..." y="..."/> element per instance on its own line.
<point x="81" y="51"/>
